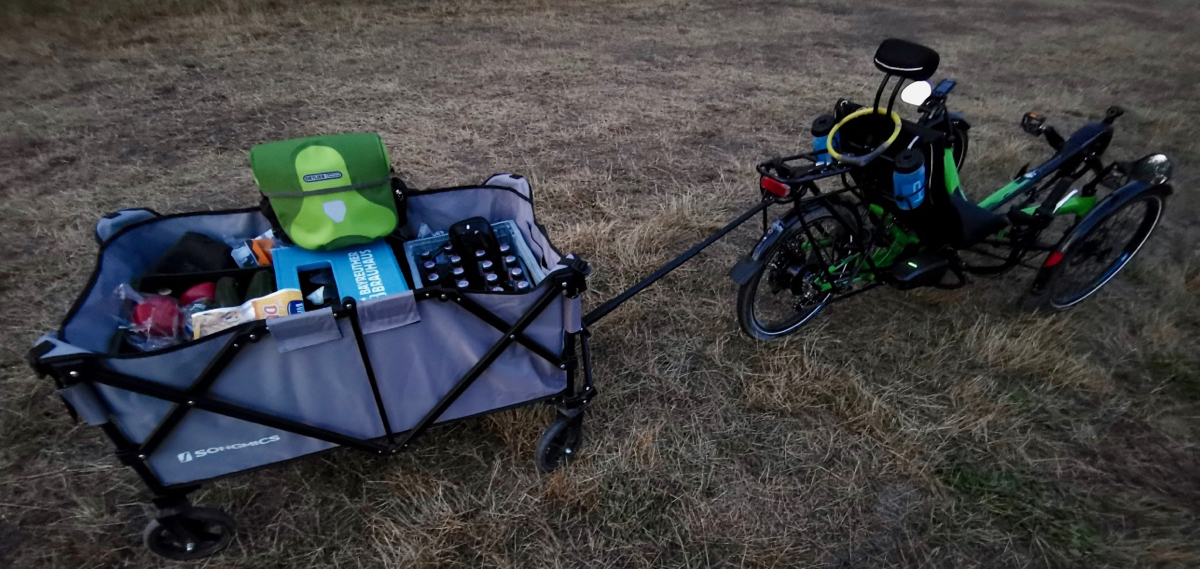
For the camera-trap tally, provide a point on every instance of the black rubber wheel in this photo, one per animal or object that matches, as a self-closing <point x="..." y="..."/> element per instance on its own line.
<point x="560" y="443"/>
<point x="1094" y="258"/>
<point x="212" y="531"/>
<point x="782" y="296"/>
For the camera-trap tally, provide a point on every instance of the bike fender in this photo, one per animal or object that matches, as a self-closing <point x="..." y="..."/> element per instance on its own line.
<point x="1101" y="210"/>
<point x="960" y="119"/>
<point x="748" y="266"/>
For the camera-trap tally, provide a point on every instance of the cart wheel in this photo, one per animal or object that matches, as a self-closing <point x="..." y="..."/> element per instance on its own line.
<point x="560" y="443"/>
<point x="205" y="531"/>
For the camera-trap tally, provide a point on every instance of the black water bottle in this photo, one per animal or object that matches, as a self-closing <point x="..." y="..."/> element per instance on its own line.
<point x="908" y="179"/>
<point x="820" y="133"/>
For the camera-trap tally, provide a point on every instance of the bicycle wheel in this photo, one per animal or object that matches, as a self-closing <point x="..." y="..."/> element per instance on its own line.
<point x="793" y="285"/>
<point x="1094" y="258"/>
<point x="961" y="143"/>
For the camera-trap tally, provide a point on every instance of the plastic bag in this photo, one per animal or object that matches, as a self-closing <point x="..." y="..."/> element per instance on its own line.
<point x="152" y="321"/>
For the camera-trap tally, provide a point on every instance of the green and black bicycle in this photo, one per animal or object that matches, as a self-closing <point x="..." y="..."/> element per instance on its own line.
<point x="899" y="217"/>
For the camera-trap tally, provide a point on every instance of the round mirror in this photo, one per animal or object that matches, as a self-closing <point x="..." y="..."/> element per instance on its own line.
<point x="1153" y="169"/>
<point x="916" y="93"/>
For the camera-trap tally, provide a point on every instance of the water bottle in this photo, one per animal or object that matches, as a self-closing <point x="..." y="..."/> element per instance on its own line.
<point x="908" y="179"/>
<point x="820" y="132"/>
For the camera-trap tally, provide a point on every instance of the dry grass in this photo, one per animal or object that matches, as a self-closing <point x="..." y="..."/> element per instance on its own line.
<point x="932" y="428"/>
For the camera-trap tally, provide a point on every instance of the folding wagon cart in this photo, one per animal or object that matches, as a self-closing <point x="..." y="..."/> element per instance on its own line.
<point x="371" y="375"/>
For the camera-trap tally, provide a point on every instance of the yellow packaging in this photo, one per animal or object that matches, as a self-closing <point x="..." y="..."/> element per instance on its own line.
<point x="279" y="303"/>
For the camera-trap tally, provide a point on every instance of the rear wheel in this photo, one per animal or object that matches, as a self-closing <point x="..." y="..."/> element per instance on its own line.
<point x="960" y="145"/>
<point x="793" y="285"/>
<point x="1094" y="258"/>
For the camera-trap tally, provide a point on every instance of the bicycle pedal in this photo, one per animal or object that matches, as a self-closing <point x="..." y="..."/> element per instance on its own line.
<point x="1033" y="123"/>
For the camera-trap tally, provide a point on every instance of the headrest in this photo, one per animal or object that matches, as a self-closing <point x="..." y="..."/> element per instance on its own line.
<point x="906" y="59"/>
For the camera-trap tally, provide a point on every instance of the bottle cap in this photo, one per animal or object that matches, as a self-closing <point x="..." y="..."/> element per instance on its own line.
<point x="455" y="260"/>
<point x="522" y="285"/>
<point x="822" y="125"/>
<point x="458" y="271"/>
<point x="505" y="248"/>
<point x="910" y="160"/>
<point x="480" y="253"/>
<point x="462" y="283"/>
<point x="485" y="265"/>
<point x="432" y="278"/>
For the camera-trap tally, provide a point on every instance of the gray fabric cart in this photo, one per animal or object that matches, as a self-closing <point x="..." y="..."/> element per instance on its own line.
<point x="371" y="376"/>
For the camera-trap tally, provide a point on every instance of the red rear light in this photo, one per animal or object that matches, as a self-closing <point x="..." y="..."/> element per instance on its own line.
<point x="1054" y="259"/>
<point x="773" y="186"/>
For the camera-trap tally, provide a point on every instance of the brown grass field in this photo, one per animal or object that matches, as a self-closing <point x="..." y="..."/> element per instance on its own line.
<point x="915" y="429"/>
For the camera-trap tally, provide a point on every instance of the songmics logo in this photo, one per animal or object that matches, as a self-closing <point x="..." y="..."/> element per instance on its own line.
<point x="201" y="453"/>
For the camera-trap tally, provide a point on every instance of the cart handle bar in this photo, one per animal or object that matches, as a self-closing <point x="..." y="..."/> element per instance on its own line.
<point x="603" y="310"/>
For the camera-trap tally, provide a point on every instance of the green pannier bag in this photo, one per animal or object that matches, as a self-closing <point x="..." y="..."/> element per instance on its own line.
<point x="328" y="192"/>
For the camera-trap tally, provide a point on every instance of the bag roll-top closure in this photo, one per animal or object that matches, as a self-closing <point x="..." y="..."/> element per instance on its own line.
<point x="328" y="192"/>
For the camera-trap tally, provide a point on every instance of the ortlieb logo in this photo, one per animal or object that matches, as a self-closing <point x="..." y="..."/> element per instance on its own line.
<point x="321" y="177"/>
<point x="203" y="452"/>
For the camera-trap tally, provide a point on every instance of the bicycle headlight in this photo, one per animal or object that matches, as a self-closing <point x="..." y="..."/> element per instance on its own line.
<point x="1153" y="169"/>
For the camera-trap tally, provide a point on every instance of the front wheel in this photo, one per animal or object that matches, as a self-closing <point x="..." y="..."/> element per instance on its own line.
<point x="1094" y="258"/>
<point x="793" y="285"/>
<point x="190" y="534"/>
<point x="560" y="442"/>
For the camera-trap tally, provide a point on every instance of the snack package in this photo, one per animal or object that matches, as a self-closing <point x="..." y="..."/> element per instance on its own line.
<point x="277" y="304"/>
<point x="155" y="321"/>
<point x="254" y="252"/>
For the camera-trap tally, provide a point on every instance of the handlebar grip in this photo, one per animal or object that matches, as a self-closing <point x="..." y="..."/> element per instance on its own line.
<point x="1113" y="113"/>
<point x="943" y="88"/>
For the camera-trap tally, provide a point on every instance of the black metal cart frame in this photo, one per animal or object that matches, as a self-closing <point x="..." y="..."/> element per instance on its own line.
<point x="569" y="282"/>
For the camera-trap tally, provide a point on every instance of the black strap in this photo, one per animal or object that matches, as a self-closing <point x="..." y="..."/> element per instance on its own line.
<point x="269" y="212"/>
<point x="337" y="190"/>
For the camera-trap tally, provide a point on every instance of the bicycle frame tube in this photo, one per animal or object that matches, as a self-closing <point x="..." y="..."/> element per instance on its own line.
<point x="1077" y="205"/>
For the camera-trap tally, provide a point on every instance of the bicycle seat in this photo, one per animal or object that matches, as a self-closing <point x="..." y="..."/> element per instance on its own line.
<point x="976" y="223"/>
<point x="948" y="217"/>
<point x="906" y="59"/>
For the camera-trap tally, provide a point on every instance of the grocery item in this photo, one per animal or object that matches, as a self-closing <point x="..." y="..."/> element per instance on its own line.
<point x="275" y="305"/>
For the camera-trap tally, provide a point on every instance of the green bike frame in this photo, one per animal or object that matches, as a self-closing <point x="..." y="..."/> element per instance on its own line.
<point x="901" y="241"/>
